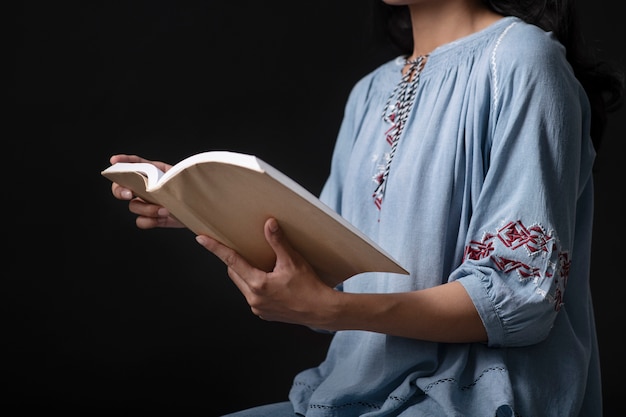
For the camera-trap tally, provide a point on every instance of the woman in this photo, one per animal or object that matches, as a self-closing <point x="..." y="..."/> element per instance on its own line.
<point x="468" y="158"/>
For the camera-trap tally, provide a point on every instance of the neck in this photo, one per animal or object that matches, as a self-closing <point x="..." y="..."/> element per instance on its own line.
<point x="437" y="23"/>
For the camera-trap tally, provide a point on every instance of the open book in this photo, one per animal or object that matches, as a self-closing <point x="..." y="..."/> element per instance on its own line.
<point x="230" y="195"/>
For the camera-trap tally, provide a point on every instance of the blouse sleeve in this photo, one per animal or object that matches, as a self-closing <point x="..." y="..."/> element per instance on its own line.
<point x="535" y="183"/>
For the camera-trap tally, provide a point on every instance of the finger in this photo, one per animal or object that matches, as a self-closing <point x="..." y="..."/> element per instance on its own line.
<point x="120" y="192"/>
<point x="142" y="208"/>
<point x="285" y="253"/>
<point x="233" y="261"/>
<point x="152" y="222"/>
<point x="135" y="158"/>
<point x="227" y="255"/>
<point x="240" y="283"/>
<point x="150" y="215"/>
<point x="126" y="158"/>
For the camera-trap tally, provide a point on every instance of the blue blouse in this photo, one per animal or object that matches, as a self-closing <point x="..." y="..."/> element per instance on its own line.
<point x="490" y="185"/>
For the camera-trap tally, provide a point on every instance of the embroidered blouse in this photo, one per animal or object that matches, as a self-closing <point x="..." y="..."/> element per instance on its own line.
<point x="490" y="185"/>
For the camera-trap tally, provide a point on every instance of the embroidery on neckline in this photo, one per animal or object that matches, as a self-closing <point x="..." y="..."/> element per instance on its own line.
<point x="396" y="112"/>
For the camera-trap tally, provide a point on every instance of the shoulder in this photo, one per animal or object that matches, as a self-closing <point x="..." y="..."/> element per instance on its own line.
<point x="524" y="45"/>
<point x="388" y="72"/>
<point x="526" y="60"/>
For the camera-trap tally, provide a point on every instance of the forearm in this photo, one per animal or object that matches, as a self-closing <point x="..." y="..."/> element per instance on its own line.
<point x="292" y="293"/>
<point x="441" y="314"/>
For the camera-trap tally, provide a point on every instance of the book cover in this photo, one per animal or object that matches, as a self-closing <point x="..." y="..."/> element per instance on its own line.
<point x="229" y="196"/>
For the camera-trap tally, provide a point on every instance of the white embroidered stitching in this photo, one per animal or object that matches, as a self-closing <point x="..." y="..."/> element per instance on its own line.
<point x="496" y="91"/>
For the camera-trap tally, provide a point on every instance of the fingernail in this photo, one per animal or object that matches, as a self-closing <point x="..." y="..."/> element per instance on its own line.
<point x="163" y="212"/>
<point x="273" y="226"/>
<point x="127" y="194"/>
<point x="200" y="240"/>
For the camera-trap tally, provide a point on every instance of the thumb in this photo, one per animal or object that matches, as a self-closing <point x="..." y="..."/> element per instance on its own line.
<point x="285" y="253"/>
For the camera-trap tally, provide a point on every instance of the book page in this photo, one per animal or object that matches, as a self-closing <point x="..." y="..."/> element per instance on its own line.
<point x="226" y="157"/>
<point x="149" y="171"/>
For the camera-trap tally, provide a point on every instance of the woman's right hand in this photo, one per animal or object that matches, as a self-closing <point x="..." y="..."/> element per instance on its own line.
<point x="149" y="215"/>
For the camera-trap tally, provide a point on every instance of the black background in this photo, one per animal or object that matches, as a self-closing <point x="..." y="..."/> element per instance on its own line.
<point x="105" y="319"/>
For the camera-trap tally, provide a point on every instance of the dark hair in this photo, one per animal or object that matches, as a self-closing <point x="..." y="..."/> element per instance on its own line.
<point x="603" y="82"/>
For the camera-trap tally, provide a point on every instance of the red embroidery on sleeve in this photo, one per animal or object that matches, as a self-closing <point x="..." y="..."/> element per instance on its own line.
<point x="536" y="241"/>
